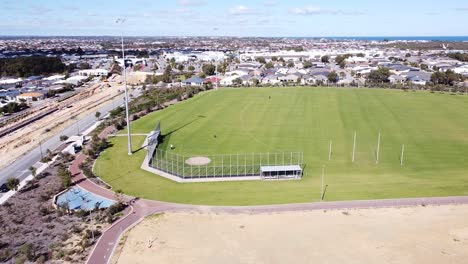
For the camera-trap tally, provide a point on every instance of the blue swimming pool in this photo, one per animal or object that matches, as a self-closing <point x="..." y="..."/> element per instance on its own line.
<point x="78" y="198"/>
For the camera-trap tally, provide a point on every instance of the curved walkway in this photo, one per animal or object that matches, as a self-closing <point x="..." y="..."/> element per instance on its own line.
<point x="140" y="208"/>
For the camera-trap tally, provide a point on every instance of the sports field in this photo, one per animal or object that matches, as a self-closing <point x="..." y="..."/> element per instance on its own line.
<point x="433" y="127"/>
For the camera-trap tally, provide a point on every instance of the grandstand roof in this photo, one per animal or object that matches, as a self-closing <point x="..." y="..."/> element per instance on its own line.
<point x="280" y="168"/>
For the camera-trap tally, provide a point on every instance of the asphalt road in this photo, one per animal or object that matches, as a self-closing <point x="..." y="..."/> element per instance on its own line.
<point x="20" y="168"/>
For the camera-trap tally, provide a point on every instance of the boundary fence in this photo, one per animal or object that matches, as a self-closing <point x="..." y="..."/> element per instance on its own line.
<point x="222" y="165"/>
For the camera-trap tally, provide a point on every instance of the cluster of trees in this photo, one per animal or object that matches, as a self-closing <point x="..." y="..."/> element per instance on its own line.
<point x="166" y="77"/>
<point x="97" y="146"/>
<point x="261" y="60"/>
<point x="341" y="59"/>
<point x="307" y="64"/>
<point x="28" y="66"/>
<point x="325" y="59"/>
<point x="12" y="183"/>
<point x="13" y="107"/>
<point x="237" y="81"/>
<point x="379" y="76"/>
<point x="333" y="77"/>
<point x="209" y="69"/>
<point x="66" y="88"/>
<point x="446" y="78"/>
<point x="65" y="176"/>
<point x="459" y="56"/>
<point x="155" y="98"/>
<point x="85" y="66"/>
<point x="296" y="48"/>
<point x="274" y="58"/>
<point x="396" y="59"/>
<point x="223" y="67"/>
<point x="142" y="53"/>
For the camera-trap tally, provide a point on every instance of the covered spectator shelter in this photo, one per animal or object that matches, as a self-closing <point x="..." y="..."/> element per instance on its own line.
<point x="278" y="172"/>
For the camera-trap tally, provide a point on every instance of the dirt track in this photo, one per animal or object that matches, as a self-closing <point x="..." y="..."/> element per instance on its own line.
<point x="432" y="234"/>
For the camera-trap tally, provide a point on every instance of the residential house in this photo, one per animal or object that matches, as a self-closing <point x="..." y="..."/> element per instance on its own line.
<point x="290" y="78"/>
<point x="270" y="79"/>
<point x="418" y="77"/>
<point x="396" y="79"/>
<point x="194" y="81"/>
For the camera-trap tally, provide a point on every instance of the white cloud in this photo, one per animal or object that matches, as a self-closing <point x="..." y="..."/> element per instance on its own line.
<point x="314" y="10"/>
<point x="308" y="10"/>
<point x="241" y="10"/>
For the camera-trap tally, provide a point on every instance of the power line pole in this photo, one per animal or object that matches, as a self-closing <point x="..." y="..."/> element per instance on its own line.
<point x="124" y="69"/>
<point x="330" y="151"/>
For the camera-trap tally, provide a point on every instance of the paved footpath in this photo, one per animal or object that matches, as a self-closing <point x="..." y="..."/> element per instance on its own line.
<point x="140" y="208"/>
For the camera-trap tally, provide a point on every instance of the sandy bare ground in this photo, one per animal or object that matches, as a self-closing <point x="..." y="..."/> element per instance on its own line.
<point x="25" y="139"/>
<point x="198" y="161"/>
<point x="138" y="77"/>
<point x="431" y="234"/>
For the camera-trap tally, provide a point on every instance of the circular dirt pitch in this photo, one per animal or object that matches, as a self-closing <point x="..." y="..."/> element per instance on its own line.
<point x="198" y="161"/>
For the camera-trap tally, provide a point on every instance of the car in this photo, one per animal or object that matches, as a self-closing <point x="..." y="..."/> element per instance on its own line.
<point x="4" y="188"/>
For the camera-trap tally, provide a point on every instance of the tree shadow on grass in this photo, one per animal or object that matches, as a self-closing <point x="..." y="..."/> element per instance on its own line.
<point x="185" y="125"/>
<point x="165" y="138"/>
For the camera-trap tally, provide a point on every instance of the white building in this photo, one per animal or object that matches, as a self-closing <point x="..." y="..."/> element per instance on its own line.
<point x="228" y="81"/>
<point x="11" y="81"/>
<point x="236" y="73"/>
<point x="461" y="70"/>
<point x="54" y="78"/>
<point x="94" y="72"/>
<point x="72" y="80"/>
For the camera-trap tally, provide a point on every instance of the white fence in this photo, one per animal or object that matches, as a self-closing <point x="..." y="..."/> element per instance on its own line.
<point x="222" y="165"/>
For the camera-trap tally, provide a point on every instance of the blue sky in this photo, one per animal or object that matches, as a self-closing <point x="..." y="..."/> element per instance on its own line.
<point x="235" y="18"/>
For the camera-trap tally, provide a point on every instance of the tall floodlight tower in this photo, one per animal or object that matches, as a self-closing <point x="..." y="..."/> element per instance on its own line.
<point x="124" y="69"/>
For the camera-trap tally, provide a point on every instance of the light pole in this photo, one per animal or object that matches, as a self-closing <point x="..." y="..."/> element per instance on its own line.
<point x="124" y="69"/>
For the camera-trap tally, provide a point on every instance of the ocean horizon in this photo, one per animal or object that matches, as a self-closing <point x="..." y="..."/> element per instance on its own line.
<point x="395" y="38"/>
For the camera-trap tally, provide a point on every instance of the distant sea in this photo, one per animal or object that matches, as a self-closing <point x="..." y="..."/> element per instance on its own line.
<point x="396" y="38"/>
